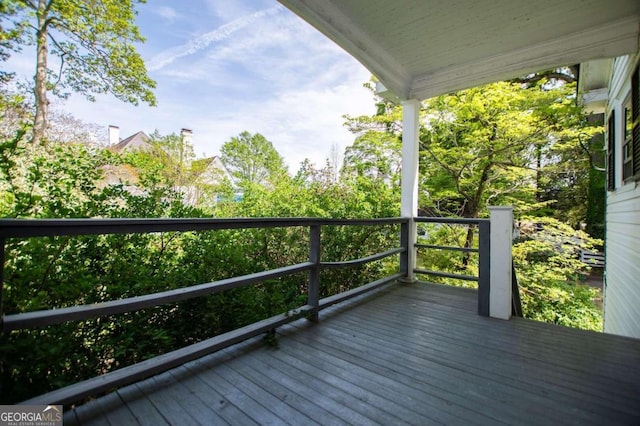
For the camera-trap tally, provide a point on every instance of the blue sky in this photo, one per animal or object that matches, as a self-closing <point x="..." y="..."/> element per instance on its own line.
<point x="225" y="66"/>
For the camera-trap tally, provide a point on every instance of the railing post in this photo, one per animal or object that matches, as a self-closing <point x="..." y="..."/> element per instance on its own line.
<point x="314" y="273"/>
<point x="501" y="262"/>
<point x="484" y="267"/>
<point x="404" y="243"/>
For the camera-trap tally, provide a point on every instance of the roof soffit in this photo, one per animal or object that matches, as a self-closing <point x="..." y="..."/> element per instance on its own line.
<point x="423" y="48"/>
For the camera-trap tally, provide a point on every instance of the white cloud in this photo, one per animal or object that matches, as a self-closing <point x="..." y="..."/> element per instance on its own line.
<point x="228" y="10"/>
<point x="264" y="71"/>
<point x="166" y="12"/>
<point x="201" y="42"/>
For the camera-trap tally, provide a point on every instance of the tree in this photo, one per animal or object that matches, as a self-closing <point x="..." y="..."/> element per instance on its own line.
<point x="9" y="38"/>
<point x="64" y="127"/>
<point x="376" y="155"/>
<point x="94" y="43"/>
<point x="252" y="159"/>
<point x="496" y="144"/>
<point x="554" y="76"/>
<point x="376" y="151"/>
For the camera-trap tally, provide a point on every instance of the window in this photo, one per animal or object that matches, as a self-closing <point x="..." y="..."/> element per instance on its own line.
<point x="627" y="147"/>
<point x="630" y="130"/>
<point x="634" y="149"/>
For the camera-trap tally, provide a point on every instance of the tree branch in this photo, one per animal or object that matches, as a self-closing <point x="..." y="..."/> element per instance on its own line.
<point x="586" y="150"/>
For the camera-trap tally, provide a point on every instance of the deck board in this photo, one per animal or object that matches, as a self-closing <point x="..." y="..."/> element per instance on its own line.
<point x="142" y="408"/>
<point x="407" y="354"/>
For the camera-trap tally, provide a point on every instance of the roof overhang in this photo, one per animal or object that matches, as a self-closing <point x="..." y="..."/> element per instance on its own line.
<point x="593" y="84"/>
<point x="423" y="48"/>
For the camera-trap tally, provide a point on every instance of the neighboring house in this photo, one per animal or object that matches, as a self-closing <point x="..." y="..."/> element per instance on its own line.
<point x="137" y="142"/>
<point x="124" y="173"/>
<point x="211" y="171"/>
<point x="612" y="87"/>
<point x="206" y="173"/>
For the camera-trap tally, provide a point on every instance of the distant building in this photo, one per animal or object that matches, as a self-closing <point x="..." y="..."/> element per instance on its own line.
<point x="207" y="173"/>
<point x="211" y="170"/>
<point x="138" y="141"/>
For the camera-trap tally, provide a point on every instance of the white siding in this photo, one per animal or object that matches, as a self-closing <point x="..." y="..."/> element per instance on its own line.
<point x="622" y="241"/>
<point x="622" y="296"/>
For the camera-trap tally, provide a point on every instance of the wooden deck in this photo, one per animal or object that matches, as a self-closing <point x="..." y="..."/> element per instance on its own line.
<point x="408" y="354"/>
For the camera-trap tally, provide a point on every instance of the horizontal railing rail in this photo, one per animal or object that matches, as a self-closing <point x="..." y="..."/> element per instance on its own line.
<point x="28" y="228"/>
<point x="76" y="313"/>
<point x="484" y="244"/>
<point x="363" y="260"/>
<point x="595" y="259"/>
<point x="449" y="248"/>
<point x="24" y="228"/>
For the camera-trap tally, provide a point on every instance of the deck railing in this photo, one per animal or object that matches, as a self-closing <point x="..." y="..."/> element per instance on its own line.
<point x="484" y="268"/>
<point x="74" y="227"/>
<point x="22" y="229"/>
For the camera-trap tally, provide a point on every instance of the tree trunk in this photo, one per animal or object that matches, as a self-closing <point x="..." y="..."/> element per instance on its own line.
<point x="40" y="89"/>
<point x="472" y="210"/>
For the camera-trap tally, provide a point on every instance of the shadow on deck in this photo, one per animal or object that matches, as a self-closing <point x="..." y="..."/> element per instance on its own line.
<point x="407" y="354"/>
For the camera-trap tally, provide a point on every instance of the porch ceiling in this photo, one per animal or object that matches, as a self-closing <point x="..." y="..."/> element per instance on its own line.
<point x="423" y="48"/>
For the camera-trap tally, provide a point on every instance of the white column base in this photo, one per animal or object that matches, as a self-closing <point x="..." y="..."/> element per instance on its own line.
<point x="501" y="262"/>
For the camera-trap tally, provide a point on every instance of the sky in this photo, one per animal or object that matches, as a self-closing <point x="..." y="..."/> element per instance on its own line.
<point x="226" y="66"/>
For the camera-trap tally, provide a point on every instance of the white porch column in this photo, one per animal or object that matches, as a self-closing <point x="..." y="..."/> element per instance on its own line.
<point x="410" y="151"/>
<point x="501" y="262"/>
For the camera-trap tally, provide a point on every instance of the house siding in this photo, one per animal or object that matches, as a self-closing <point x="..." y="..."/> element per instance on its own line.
<point x="622" y="273"/>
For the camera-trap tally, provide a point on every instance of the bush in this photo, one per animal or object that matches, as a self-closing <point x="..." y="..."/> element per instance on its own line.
<point x="550" y="274"/>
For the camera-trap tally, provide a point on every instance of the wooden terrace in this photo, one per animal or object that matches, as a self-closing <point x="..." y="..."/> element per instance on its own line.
<point x="404" y="354"/>
<point x="387" y="352"/>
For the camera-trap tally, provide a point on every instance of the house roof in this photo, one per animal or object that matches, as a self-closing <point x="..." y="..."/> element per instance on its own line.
<point x="136" y="141"/>
<point x="212" y="169"/>
<point x="206" y="162"/>
<point x="423" y="48"/>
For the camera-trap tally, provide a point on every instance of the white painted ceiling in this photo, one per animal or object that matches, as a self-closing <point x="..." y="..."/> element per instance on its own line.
<point x="423" y="48"/>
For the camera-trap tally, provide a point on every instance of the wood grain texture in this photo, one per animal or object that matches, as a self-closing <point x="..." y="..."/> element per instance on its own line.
<point x="405" y="354"/>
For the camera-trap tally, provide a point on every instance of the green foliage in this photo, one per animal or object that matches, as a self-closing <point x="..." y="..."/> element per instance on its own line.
<point x="453" y="262"/>
<point x="497" y="144"/>
<point x="550" y="274"/>
<point x="166" y="160"/>
<point x="10" y="36"/>
<point x="55" y="181"/>
<point x="376" y="155"/>
<point x="252" y="159"/>
<point x="478" y="147"/>
<point x="95" y="42"/>
<point x="65" y="180"/>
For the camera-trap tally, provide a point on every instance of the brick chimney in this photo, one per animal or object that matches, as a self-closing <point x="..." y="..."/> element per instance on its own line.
<point x="114" y="134"/>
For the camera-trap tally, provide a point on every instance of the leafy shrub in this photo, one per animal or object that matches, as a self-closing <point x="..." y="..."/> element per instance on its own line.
<point x="550" y="274"/>
<point x="64" y="181"/>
